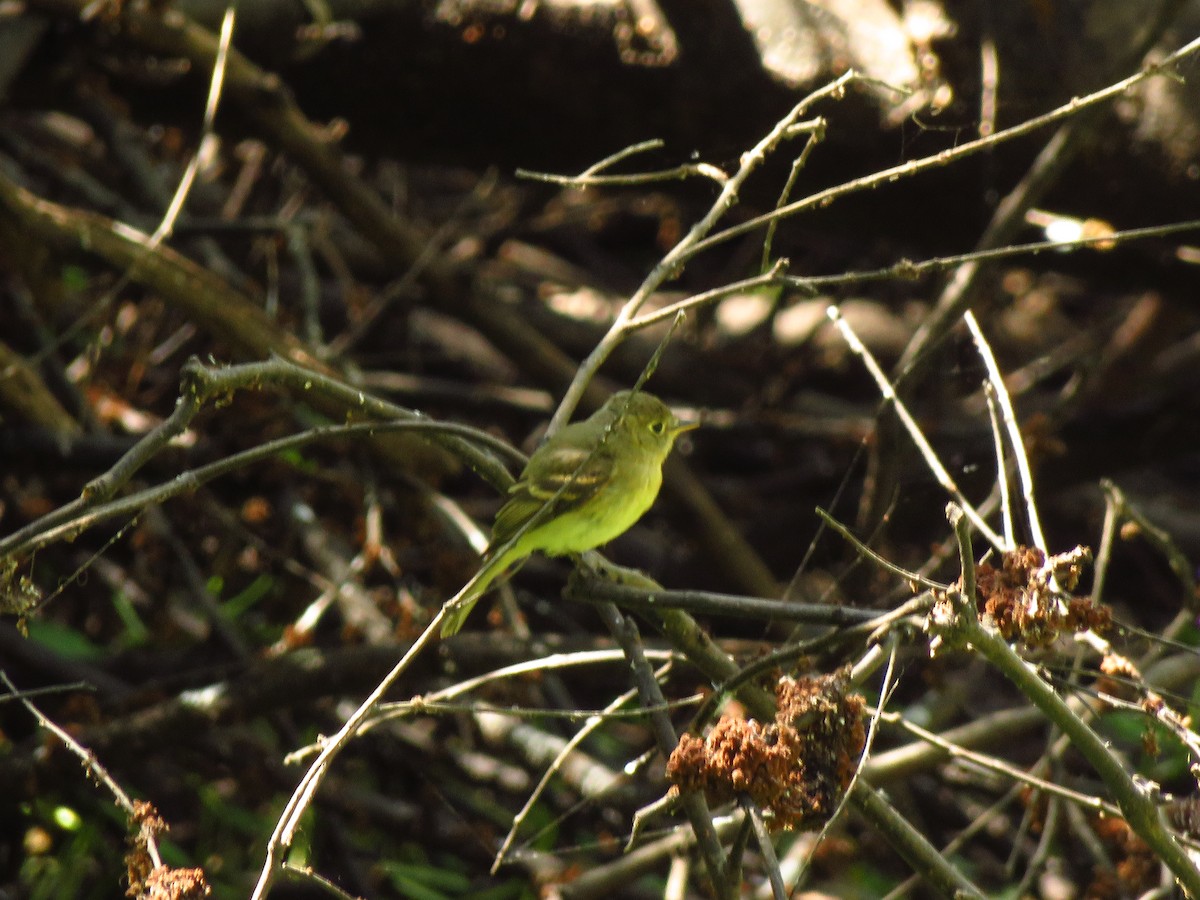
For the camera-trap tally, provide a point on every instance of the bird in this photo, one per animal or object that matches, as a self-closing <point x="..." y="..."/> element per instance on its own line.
<point x="584" y="486"/>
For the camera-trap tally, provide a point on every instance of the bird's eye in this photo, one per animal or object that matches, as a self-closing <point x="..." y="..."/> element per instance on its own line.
<point x="658" y="427"/>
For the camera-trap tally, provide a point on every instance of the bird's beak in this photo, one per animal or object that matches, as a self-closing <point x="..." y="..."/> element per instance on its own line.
<point x="681" y="427"/>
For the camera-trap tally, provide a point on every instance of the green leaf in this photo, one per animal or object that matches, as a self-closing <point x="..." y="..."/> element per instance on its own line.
<point x="64" y="641"/>
<point x="136" y="632"/>
<point x="248" y="596"/>
<point x="425" y="882"/>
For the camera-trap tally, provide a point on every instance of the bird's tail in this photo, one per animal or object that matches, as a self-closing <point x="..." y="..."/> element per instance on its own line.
<point x="460" y="605"/>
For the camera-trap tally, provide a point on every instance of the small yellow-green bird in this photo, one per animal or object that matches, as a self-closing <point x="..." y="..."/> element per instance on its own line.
<point x="583" y="487"/>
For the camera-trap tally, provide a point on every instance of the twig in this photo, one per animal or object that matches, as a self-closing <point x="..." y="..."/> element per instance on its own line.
<point x="606" y="881"/>
<point x="671" y="264"/>
<point x="737" y="853"/>
<point x="954" y="750"/>
<point x="914" y="430"/>
<point x="1010" y="534"/>
<point x="91" y="764"/>
<point x="707" y="603"/>
<point x="437" y="700"/>
<point x="199" y="384"/>
<point x="307" y="875"/>
<point x="1135" y="802"/>
<point x="920" y="855"/>
<point x="778" y="889"/>
<point x="773" y="276"/>
<point x="918" y="756"/>
<point x="302" y="796"/>
<point x="824" y="198"/>
<point x="593" y="723"/>
<point x="978" y="824"/>
<point x="1181" y="567"/>
<point x="694" y="804"/>
<point x="883" y="562"/>
<point x="1079" y="117"/>
<point x="816" y="134"/>
<point x="74" y="518"/>
<point x="220" y="61"/>
<point x="1015" y="441"/>
<point x="904" y="269"/>
<point x="886" y="686"/>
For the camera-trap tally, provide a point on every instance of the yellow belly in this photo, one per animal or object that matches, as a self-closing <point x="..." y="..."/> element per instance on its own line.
<point x="607" y="515"/>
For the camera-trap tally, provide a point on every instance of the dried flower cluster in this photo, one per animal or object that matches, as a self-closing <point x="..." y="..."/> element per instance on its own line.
<point x="794" y="769"/>
<point x="149" y="882"/>
<point x="1135" y="867"/>
<point x="1021" y="599"/>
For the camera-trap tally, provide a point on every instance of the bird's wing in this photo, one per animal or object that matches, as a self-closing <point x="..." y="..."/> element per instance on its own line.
<point x="577" y="471"/>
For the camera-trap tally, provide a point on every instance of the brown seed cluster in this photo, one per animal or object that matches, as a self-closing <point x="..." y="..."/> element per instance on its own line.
<point x="794" y="769"/>
<point x="149" y="882"/>
<point x="1135" y="867"/>
<point x="1020" y="599"/>
<point x="165" y="883"/>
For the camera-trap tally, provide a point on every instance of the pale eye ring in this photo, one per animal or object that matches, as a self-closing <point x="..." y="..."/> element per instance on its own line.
<point x="658" y="427"/>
